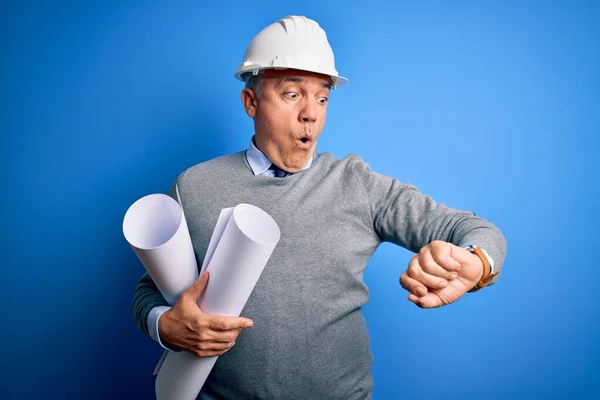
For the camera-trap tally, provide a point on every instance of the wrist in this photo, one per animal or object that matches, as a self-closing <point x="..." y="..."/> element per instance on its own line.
<point x="480" y="266"/>
<point x="164" y="338"/>
<point x="487" y="273"/>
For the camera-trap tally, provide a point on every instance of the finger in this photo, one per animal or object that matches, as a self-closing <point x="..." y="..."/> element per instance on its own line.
<point x="461" y="255"/>
<point x="226" y="336"/>
<point x="412" y="285"/>
<point x="445" y="259"/>
<point x="430" y="265"/>
<point x="210" y="353"/>
<point x="430" y="300"/>
<point x="214" y="346"/>
<point x="416" y="272"/>
<point x="220" y="323"/>
<point x="197" y="287"/>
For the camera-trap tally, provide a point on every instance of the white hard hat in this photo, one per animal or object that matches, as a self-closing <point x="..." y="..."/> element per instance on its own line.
<point x="292" y="42"/>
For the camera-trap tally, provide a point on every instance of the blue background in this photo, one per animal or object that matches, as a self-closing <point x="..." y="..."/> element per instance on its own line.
<point x="487" y="106"/>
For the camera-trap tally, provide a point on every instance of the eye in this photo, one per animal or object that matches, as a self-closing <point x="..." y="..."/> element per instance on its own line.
<point x="292" y="95"/>
<point x="323" y="100"/>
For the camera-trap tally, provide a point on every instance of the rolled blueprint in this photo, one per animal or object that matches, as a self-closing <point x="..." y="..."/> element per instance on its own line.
<point x="156" y="229"/>
<point x="241" y="245"/>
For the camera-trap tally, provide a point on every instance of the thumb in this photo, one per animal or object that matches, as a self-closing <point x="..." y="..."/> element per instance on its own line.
<point x="461" y="255"/>
<point x="197" y="287"/>
<point x="472" y="266"/>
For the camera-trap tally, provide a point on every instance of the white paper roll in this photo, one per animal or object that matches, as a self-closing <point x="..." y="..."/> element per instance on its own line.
<point x="242" y="243"/>
<point x="156" y="229"/>
<point x="240" y="254"/>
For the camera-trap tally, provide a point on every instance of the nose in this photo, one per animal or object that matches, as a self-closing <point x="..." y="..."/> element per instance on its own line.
<point x="308" y="113"/>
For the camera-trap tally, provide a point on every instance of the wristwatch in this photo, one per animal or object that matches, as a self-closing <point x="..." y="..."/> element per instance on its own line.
<point x="487" y="277"/>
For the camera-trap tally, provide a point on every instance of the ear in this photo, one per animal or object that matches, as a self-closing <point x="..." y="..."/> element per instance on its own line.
<point x="250" y="102"/>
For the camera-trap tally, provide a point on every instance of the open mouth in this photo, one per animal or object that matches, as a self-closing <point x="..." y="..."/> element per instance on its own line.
<point x="305" y="142"/>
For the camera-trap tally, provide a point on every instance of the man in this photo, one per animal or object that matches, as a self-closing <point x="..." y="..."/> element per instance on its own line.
<point x="304" y="334"/>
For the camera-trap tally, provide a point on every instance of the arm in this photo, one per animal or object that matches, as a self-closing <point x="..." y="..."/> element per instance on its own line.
<point x="184" y="326"/>
<point x="439" y="234"/>
<point x="148" y="300"/>
<point x="404" y="216"/>
<point x="147" y="297"/>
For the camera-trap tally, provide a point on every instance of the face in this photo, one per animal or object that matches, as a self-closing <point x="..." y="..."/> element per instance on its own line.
<point x="289" y="116"/>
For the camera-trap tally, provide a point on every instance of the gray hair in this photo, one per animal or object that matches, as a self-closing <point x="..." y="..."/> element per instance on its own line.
<point x="254" y="82"/>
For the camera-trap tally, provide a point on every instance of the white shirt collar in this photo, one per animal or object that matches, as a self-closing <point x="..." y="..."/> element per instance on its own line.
<point x="260" y="163"/>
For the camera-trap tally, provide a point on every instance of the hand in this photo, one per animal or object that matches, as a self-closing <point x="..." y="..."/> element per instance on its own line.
<point x="186" y="327"/>
<point x="440" y="274"/>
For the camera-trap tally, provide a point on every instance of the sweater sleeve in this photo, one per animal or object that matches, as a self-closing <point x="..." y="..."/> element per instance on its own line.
<point x="147" y="296"/>
<point x="404" y="216"/>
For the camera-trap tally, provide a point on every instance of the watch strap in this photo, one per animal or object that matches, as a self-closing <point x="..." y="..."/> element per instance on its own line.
<point x="487" y="276"/>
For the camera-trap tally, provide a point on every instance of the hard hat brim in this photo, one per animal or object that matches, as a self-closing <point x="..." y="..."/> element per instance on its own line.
<point x="337" y="80"/>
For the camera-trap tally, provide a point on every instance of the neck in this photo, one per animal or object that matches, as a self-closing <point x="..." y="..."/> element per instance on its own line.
<point x="263" y="149"/>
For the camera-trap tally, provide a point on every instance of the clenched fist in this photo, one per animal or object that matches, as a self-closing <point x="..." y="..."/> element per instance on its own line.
<point x="186" y="327"/>
<point x="440" y="274"/>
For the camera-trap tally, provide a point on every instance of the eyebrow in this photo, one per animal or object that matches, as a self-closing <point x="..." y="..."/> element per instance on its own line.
<point x="297" y="79"/>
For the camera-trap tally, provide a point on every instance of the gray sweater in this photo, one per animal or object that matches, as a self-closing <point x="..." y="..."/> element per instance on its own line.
<point x="309" y="339"/>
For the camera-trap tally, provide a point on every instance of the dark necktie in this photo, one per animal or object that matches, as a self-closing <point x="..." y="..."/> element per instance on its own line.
<point x="279" y="173"/>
